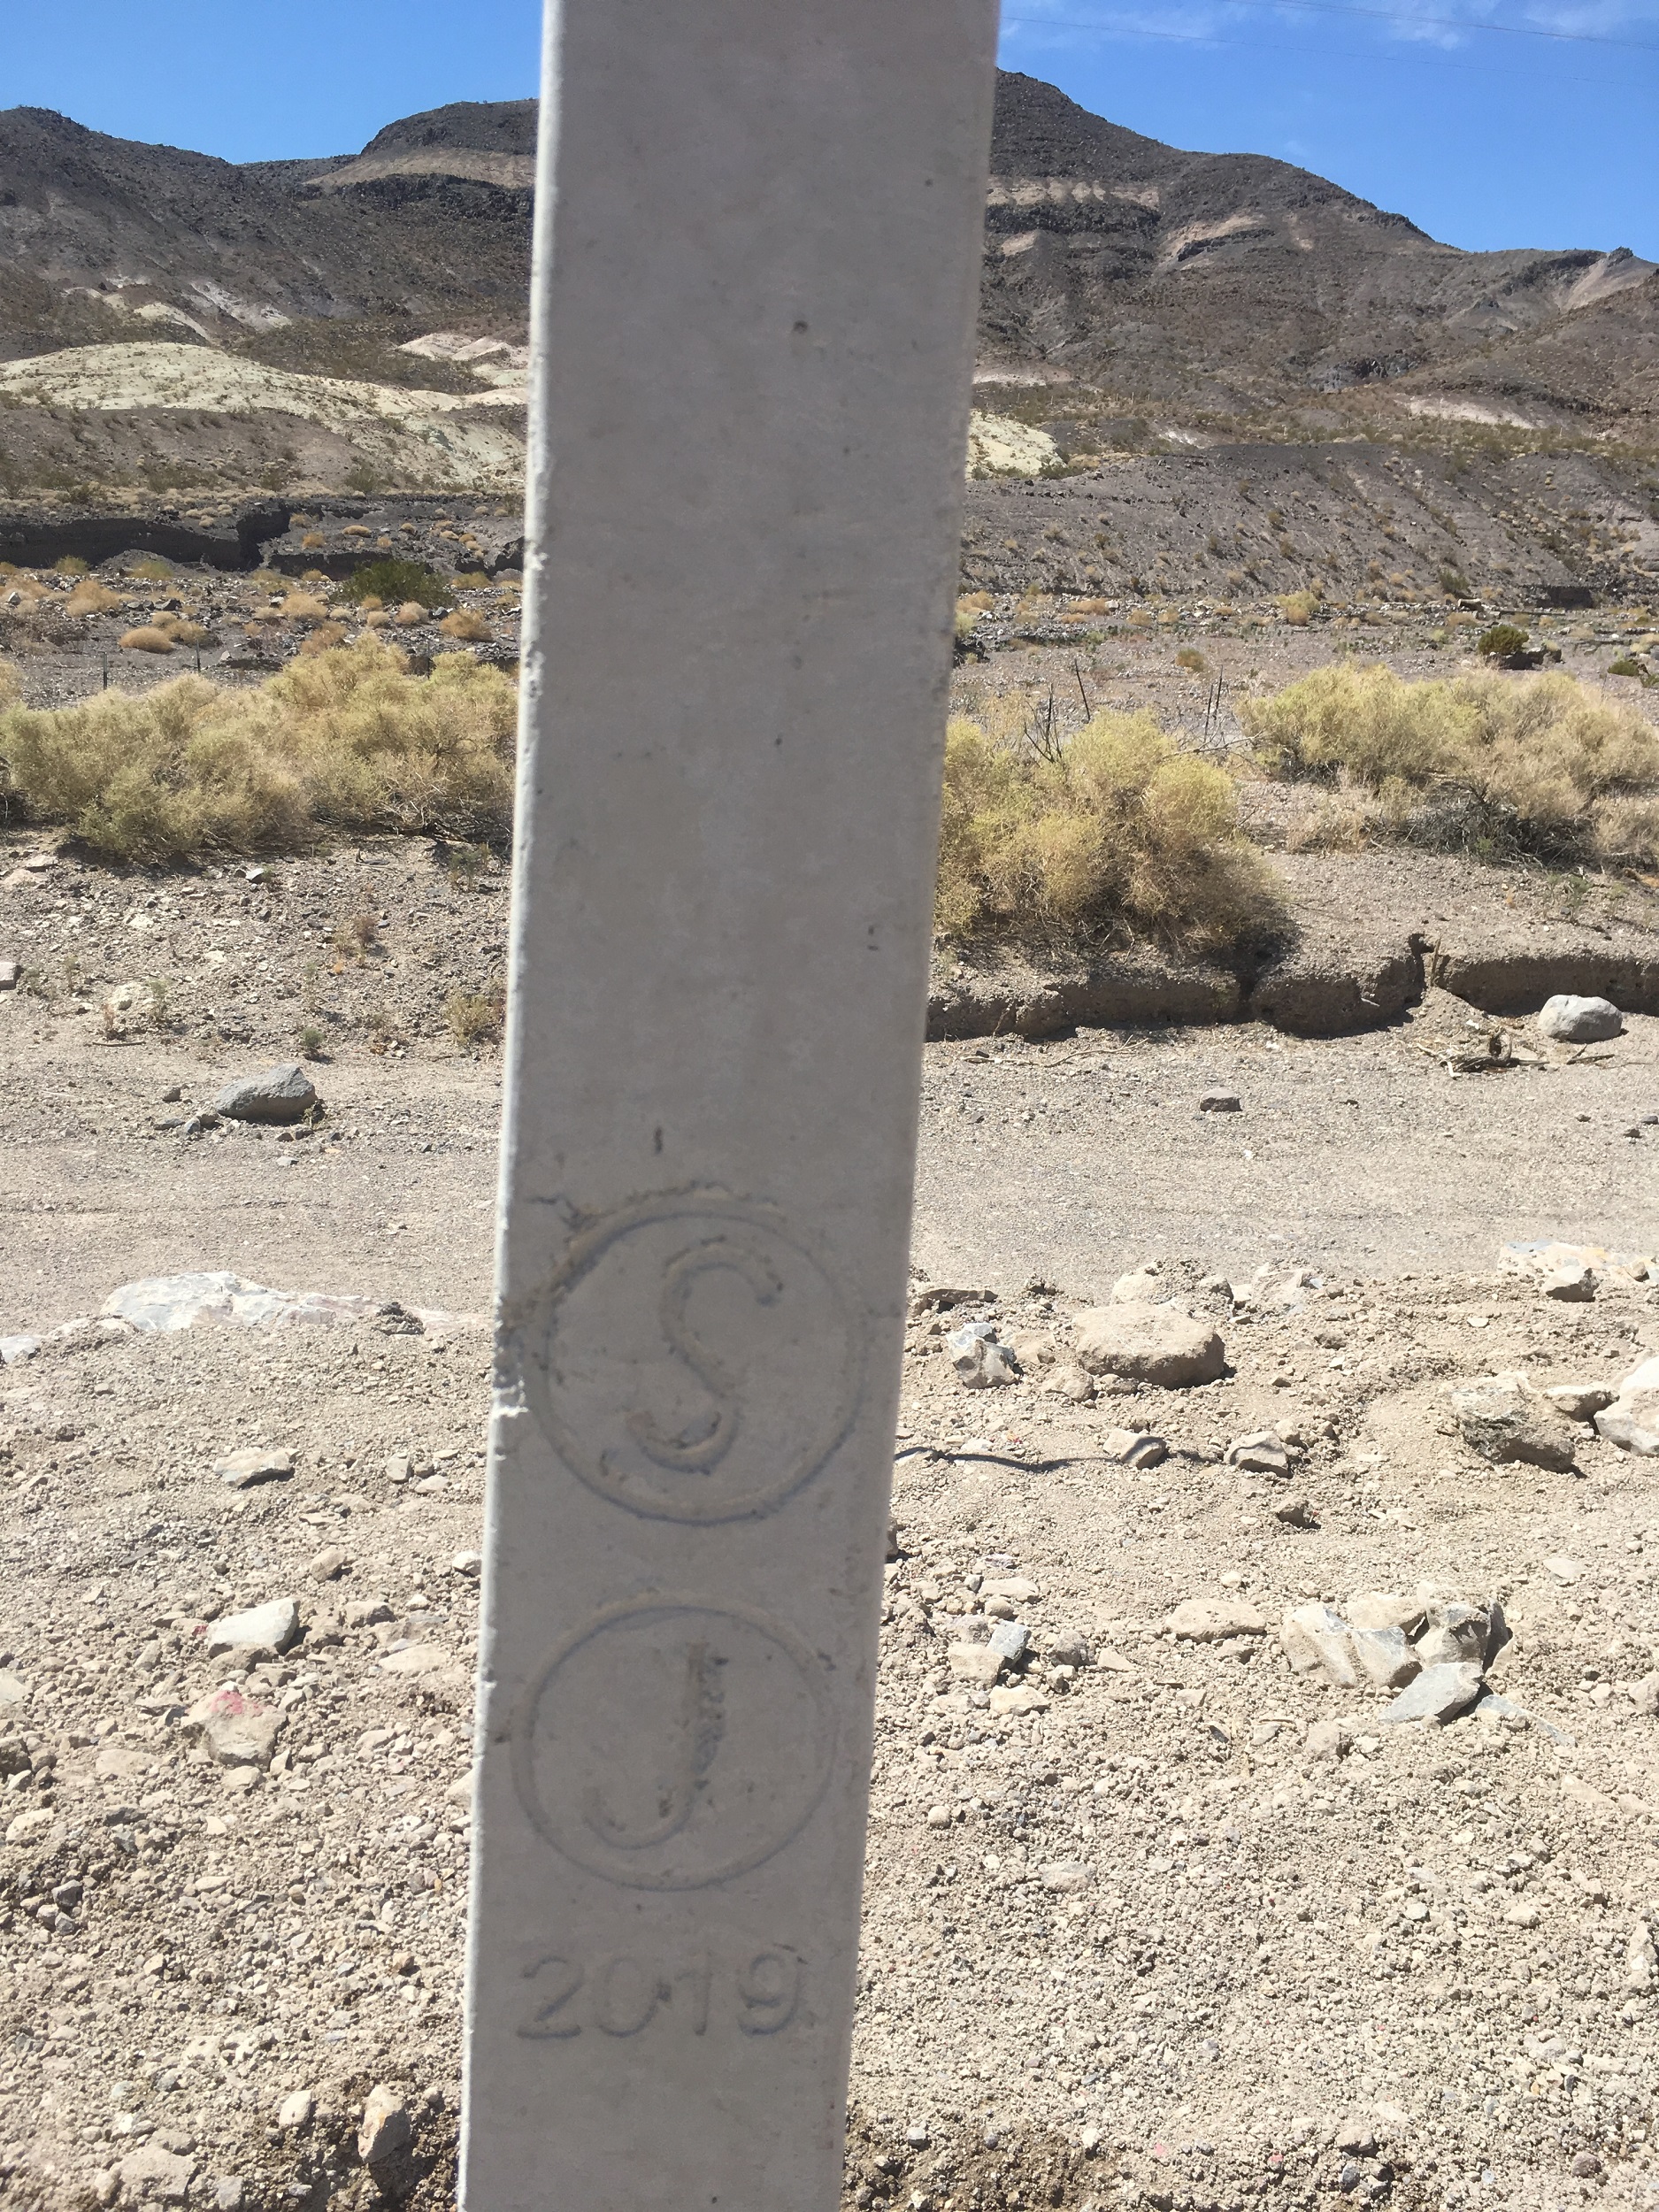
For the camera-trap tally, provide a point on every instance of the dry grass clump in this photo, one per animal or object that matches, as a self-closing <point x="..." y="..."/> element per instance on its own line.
<point x="91" y="597"/>
<point x="346" y="741"/>
<point x="475" y="1018"/>
<point x="10" y="685"/>
<point x="411" y="614"/>
<point x="148" y="638"/>
<point x="1116" y="828"/>
<point x="467" y="623"/>
<point x="302" y="611"/>
<point x="1496" y="764"/>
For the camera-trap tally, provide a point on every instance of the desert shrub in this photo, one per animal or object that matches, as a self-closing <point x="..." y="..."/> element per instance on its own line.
<point x="152" y="569"/>
<point x="1502" y="639"/>
<point x="468" y="624"/>
<point x="190" y="634"/>
<point x="302" y="609"/>
<point x="474" y="1018"/>
<point x="345" y="740"/>
<point x="1115" y="829"/>
<point x="1297" y="607"/>
<point x="1541" y="765"/>
<point x="1454" y="584"/>
<point x="70" y="565"/>
<point x="393" y="579"/>
<point x="1191" y="659"/>
<point x="10" y="685"/>
<point x="323" y="641"/>
<point x="148" y="638"/>
<point x="90" y="597"/>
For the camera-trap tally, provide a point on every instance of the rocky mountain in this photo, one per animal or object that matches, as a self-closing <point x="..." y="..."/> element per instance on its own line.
<point x="104" y="239"/>
<point x="1235" y="284"/>
<point x="1134" y="295"/>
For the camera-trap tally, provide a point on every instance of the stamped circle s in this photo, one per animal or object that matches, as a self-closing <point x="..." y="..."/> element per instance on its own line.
<point x="697" y="1363"/>
<point x="670" y="1743"/>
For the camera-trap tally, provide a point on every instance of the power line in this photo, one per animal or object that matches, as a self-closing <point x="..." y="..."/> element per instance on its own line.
<point x="1330" y="7"/>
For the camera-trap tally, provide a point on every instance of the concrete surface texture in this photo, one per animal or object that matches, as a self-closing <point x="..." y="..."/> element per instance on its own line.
<point x="734" y="719"/>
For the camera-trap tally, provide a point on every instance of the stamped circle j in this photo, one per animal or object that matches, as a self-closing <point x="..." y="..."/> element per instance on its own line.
<point x="672" y="1744"/>
<point x="699" y="1365"/>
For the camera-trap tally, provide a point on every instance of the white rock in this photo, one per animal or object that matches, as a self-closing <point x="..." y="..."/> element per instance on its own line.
<point x="255" y="1462"/>
<point x="27" y="1827"/>
<point x="1632" y="1421"/>
<point x="980" y="1362"/>
<point x="1505" y="1420"/>
<point x="185" y="1301"/>
<point x="975" y="1662"/>
<point x="295" y="2109"/>
<point x="1570" y="1020"/>
<point x="1071" y="1382"/>
<point x="1144" y="1285"/>
<point x="1133" y="1448"/>
<point x="328" y="1563"/>
<point x="1213" y="1620"/>
<point x="1385" y="1608"/>
<point x="1066" y="1874"/>
<point x="1438" y="1693"/>
<point x="386" y="2128"/>
<point x="1385" y="1657"/>
<point x="1641" y="1962"/>
<point x="1580" y="1401"/>
<point x="1150" y="1344"/>
<point x="239" y="1732"/>
<point x="417" y="1659"/>
<point x="161" y="2176"/>
<point x="1457" y="1635"/>
<point x="1314" y="1636"/>
<point x="270" y="1627"/>
<point x="1261" y="1453"/>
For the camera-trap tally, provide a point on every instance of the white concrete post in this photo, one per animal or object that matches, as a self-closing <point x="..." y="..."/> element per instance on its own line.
<point x="757" y="264"/>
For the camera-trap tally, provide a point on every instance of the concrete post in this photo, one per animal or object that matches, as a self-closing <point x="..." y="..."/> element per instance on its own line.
<point x="758" y="268"/>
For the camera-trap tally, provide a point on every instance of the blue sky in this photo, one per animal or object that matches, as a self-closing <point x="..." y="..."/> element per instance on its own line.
<point x="1456" y="113"/>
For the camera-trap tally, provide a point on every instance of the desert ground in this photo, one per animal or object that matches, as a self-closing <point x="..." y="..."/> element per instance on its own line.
<point x="1161" y="1908"/>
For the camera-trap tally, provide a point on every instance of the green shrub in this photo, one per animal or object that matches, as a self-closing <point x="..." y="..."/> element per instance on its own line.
<point x="1543" y="766"/>
<point x="1500" y="640"/>
<point x="392" y="580"/>
<point x="1116" y="829"/>
<point x="343" y="741"/>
